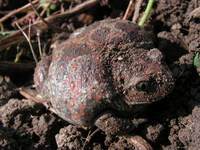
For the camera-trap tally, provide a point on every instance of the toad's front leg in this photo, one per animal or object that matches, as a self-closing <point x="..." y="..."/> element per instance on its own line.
<point x="41" y="75"/>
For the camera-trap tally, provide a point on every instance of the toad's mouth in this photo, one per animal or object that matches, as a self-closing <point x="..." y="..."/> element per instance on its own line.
<point x="144" y="100"/>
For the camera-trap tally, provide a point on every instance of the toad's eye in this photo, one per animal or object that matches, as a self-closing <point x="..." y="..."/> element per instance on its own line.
<point x="143" y="86"/>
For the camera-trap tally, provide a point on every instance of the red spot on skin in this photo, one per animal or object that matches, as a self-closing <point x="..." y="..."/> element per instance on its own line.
<point x="116" y="84"/>
<point x="119" y="34"/>
<point x="95" y="45"/>
<point x="125" y="78"/>
<point x="36" y="77"/>
<point x="92" y="44"/>
<point x="51" y="77"/>
<point x="71" y="105"/>
<point x="79" y="59"/>
<point x="58" y="70"/>
<point x="82" y="106"/>
<point x="77" y="92"/>
<point x="89" y="42"/>
<point x="109" y="36"/>
<point x="101" y="71"/>
<point x="91" y="89"/>
<point x="74" y="98"/>
<point x="99" y="96"/>
<point x="78" y="82"/>
<point x="61" y="67"/>
<point x="85" y="49"/>
<point x="116" y="76"/>
<point x="50" y="85"/>
<point x="114" y="66"/>
<point x="68" y="58"/>
<point x="76" y="53"/>
<point x="54" y="99"/>
<point x="64" y="100"/>
<point x="85" y="80"/>
<point x="50" y="69"/>
<point x="81" y="112"/>
<point x="131" y="31"/>
<point x="74" y="67"/>
<point x="67" y="80"/>
<point x="95" y="54"/>
<point x="89" y="74"/>
<point x="72" y="87"/>
<point x="114" y="34"/>
<point x="57" y="58"/>
<point x="76" y="116"/>
<point x="90" y="96"/>
<point x="77" y="45"/>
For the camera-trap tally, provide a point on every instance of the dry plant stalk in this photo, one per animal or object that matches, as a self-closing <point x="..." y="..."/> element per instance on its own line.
<point x="29" y="41"/>
<point x="129" y="10"/>
<point x="137" y="11"/>
<point x="28" y="96"/>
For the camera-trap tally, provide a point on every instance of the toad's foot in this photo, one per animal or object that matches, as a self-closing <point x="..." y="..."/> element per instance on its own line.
<point x="113" y="125"/>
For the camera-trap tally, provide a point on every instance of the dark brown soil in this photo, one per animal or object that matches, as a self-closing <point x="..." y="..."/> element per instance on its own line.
<point x="172" y="123"/>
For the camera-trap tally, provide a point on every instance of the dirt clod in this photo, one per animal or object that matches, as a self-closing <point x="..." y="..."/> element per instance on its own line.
<point x="69" y="138"/>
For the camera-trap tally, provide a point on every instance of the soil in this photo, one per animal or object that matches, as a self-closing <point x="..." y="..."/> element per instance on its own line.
<point x="171" y="124"/>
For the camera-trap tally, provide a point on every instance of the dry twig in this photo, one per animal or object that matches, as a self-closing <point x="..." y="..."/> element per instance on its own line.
<point x="129" y="10"/>
<point x="89" y="136"/>
<point x="28" y="96"/>
<point x="137" y="11"/>
<point x="29" y="41"/>
<point x="39" y="45"/>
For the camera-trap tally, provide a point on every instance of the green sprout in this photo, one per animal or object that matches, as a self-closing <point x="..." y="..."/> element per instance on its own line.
<point x="18" y="55"/>
<point x="196" y="61"/>
<point x="146" y="13"/>
<point x="5" y="33"/>
<point x="45" y="4"/>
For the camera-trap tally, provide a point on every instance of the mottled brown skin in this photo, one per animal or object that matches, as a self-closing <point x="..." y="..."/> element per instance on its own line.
<point x="103" y="74"/>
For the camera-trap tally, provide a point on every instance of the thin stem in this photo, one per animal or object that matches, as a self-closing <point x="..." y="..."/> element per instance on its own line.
<point x="17" y="57"/>
<point x="29" y="42"/>
<point x="146" y="13"/>
<point x="129" y="10"/>
<point x="39" y="45"/>
<point x="137" y="11"/>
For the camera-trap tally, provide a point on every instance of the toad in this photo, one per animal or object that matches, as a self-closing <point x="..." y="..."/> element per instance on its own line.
<point x="103" y="74"/>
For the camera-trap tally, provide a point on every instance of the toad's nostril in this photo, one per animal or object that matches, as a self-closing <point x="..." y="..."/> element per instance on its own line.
<point x="143" y="85"/>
